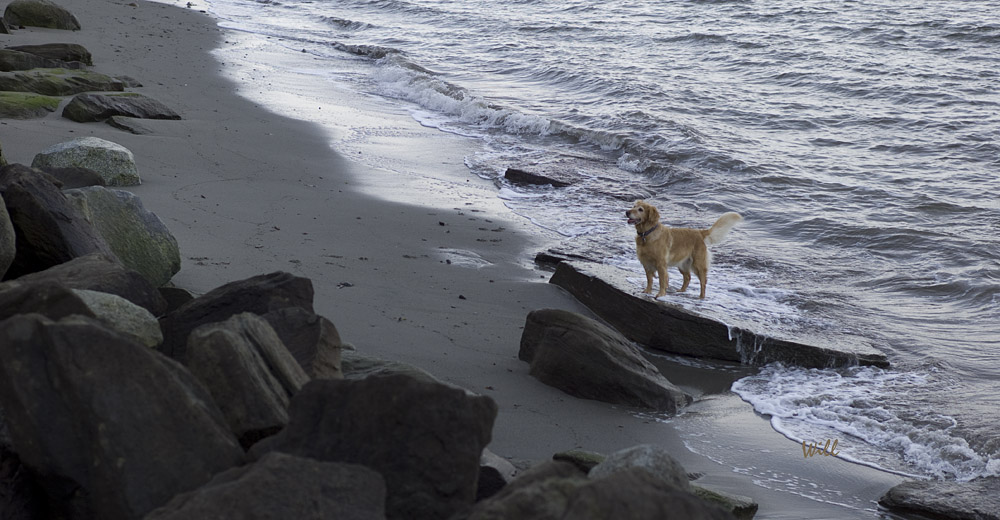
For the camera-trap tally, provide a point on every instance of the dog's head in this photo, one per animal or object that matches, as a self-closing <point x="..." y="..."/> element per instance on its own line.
<point x="642" y="213"/>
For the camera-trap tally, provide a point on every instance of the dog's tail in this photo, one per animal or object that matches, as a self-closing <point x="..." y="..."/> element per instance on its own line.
<point x="717" y="233"/>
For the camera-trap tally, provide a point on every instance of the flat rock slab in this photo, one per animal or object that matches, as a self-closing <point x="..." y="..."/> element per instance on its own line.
<point x="672" y="328"/>
<point x="58" y="82"/>
<point x="86" y="108"/>
<point x="26" y="105"/>
<point x="975" y="500"/>
<point x="68" y="52"/>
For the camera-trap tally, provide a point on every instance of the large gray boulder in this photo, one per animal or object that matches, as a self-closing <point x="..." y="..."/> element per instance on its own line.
<point x="424" y="438"/>
<point x="248" y="371"/>
<point x="587" y="359"/>
<point x="137" y="236"/>
<point x="258" y="294"/>
<point x="55" y="301"/>
<point x="7" y="239"/>
<point x="114" y="162"/>
<point x="58" y="82"/>
<point x="66" y="52"/>
<point x="101" y="273"/>
<point x="40" y="13"/>
<point x="653" y="459"/>
<point x="671" y="327"/>
<point x="975" y="500"/>
<point x="313" y="341"/>
<point x="88" y="108"/>
<point x="49" y="229"/>
<point x="111" y="429"/>
<point x="281" y="486"/>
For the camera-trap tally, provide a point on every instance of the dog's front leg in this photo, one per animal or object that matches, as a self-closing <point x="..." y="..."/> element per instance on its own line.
<point x="664" y="280"/>
<point x="649" y="280"/>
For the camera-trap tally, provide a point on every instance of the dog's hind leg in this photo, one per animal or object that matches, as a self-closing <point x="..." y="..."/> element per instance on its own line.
<point x="686" y="273"/>
<point x="701" y="271"/>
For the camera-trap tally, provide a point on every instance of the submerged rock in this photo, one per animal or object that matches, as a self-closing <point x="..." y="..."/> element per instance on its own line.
<point x="40" y="13"/>
<point x="672" y="328"/>
<point x="586" y="359"/>
<point x="519" y="176"/>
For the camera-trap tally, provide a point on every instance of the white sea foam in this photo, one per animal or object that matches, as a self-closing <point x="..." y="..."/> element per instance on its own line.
<point x="856" y="405"/>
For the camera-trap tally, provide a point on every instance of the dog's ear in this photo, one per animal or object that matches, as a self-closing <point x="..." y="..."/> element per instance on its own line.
<point x="652" y="214"/>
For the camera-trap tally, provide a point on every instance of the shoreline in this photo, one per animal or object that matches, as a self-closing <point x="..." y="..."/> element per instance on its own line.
<point x="246" y="191"/>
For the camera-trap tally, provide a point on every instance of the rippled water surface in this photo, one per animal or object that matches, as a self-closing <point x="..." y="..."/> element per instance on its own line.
<point x="860" y="141"/>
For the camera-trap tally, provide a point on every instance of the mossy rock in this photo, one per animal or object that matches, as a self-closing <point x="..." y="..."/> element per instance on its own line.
<point x="26" y="105"/>
<point x="40" y="13"/>
<point x="58" y="82"/>
<point x="58" y="51"/>
<point x="741" y="507"/>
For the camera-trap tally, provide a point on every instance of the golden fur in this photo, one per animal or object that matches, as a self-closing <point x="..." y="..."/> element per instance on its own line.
<point x="660" y="247"/>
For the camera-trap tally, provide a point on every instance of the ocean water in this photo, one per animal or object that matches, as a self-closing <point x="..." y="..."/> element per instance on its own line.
<point x="859" y="140"/>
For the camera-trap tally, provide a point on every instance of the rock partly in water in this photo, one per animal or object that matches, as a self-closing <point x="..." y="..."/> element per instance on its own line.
<point x="673" y="328"/>
<point x="74" y="176"/>
<point x="55" y="302"/>
<point x="259" y="295"/>
<point x="248" y="371"/>
<point x="7" y="239"/>
<point x="26" y="105"/>
<point x="40" y="13"/>
<point x="426" y="439"/>
<point x="67" y="52"/>
<point x="281" y="486"/>
<point x="741" y="507"/>
<point x="58" y="82"/>
<point x="974" y="500"/>
<point x="111" y="429"/>
<point x="88" y="108"/>
<point x="112" y="161"/>
<point x="313" y="341"/>
<point x="49" y="229"/>
<point x="137" y="236"/>
<point x="523" y="177"/>
<point x="101" y="273"/>
<point x="587" y="359"/>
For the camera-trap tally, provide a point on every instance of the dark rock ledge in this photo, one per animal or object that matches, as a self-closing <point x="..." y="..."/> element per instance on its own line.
<point x="975" y="500"/>
<point x="671" y="328"/>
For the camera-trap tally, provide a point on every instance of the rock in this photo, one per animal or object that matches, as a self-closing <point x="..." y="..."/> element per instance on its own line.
<point x="248" y="371"/>
<point x="673" y="328"/>
<point x="4" y="26"/>
<point x="129" y="124"/>
<point x="58" y="82"/>
<point x="517" y="176"/>
<point x="7" y="240"/>
<point x="542" y="492"/>
<point x="3" y="160"/>
<point x="26" y="105"/>
<point x="313" y="341"/>
<point x="586" y="359"/>
<point x="584" y="460"/>
<point x="495" y="472"/>
<point x="16" y="60"/>
<point x="101" y="273"/>
<point x="55" y="301"/>
<point x="653" y="459"/>
<point x="87" y="108"/>
<point x="974" y="500"/>
<point x="636" y="494"/>
<point x="742" y="508"/>
<point x="112" y="161"/>
<point x="67" y="52"/>
<point x="40" y="13"/>
<point x="48" y="228"/>
<point x="360" y="366"/>
<point x="112" y="430"/>
<point x="425" y="439"/>
<point x="259" y="294"/>
<point x="281" y="486"/>
<point x="137" y="236"/>
<point x="20" y="498"/>
<point x="74" y="176"/>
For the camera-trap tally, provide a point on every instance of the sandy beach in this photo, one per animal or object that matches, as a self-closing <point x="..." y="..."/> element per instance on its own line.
<point x="411" y="257"/>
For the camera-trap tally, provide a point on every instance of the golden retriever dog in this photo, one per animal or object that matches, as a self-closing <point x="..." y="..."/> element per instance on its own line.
<point x="660" y="247"/>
